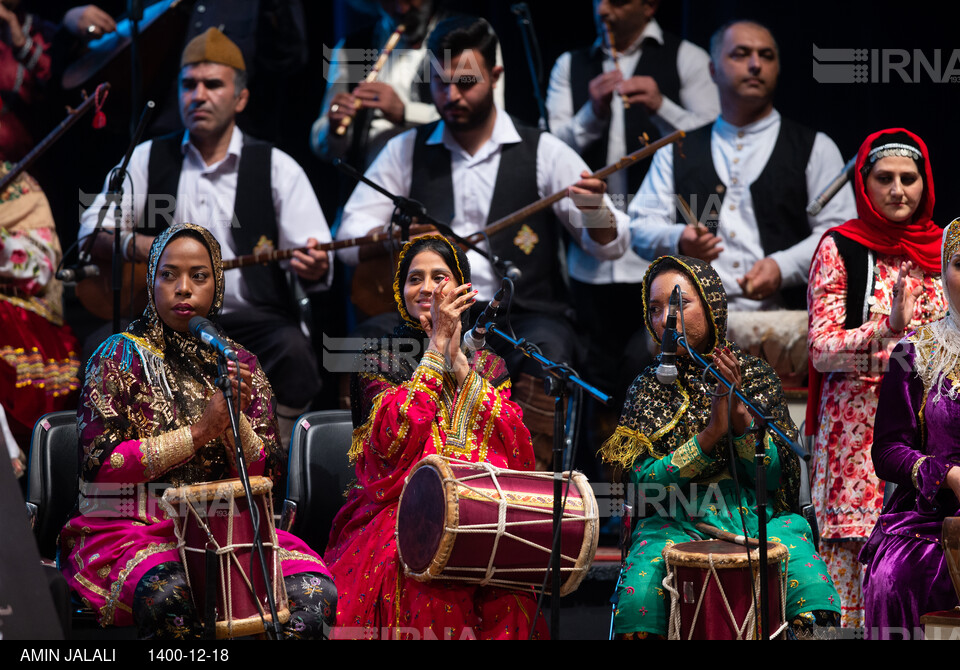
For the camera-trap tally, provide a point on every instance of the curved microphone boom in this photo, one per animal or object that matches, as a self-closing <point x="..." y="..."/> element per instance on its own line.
<point x="204" y="330"/>
<point x="667" y="370"/>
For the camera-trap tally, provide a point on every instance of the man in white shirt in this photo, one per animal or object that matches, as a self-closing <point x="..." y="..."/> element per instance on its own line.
<point x="601" y="106"/>
<point x="251" y="196"/>
<point x="399" y="98"/>
<point x="475" y="166"/>
<point x="748" y="177"/>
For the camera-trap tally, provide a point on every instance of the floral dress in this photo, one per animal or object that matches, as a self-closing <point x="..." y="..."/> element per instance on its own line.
<point x="846" y="493"/>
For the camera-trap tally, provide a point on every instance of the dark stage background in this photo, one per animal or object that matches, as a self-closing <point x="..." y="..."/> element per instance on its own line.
<point x="848" y="112"/>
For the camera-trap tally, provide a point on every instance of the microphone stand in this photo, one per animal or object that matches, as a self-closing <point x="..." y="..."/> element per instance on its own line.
<point x="764" y="423"/>
<point x="135" y="13"/>
<point x="529" y="35"/>
<point x="409" y="210"/>
<point x="561" y="376"/>
<point x="114" y="196"/>
<point x="233" y="409"/>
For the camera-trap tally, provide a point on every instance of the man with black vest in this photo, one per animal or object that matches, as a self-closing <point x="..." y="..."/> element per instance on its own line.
<point x="601" y="107"/>
<point x="397" y="100"/>
<point x="747" y="178"/>
<point x="476" y="165"/>
<point x="254" y="198"/>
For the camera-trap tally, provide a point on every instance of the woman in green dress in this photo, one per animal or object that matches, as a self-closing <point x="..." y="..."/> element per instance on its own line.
<point x="672" y="444"/>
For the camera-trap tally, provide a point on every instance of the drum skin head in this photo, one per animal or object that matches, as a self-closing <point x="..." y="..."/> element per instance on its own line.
<point x="423" y="505"/>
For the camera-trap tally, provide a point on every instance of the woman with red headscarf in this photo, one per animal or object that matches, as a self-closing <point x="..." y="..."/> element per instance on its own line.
<point x="872" y="279"/>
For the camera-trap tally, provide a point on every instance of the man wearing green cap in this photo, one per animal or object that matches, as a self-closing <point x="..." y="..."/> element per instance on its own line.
<point x="254" y="198"/>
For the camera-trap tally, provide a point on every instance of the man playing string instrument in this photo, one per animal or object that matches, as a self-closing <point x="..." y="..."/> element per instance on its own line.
<point x="476" y="165"/>
<point x="251" y="196"/>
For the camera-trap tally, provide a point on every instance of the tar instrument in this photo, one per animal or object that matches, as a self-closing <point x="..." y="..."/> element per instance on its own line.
<point x="107" y="56"/>
<point x="372" y="290"/>
<point x="214" y="538"/>
<point x="73" y="115"/>
<point x="712" y="585"/>
<point x="373" y="74"/>
<point x="478" y="524"/>
<point x="615" y="56"/>
<point x="96" y="293"/>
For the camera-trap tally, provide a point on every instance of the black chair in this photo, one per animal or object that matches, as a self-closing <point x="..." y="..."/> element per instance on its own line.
<point x="318" y="473"/>
<point x="52" y="490"/>
<point x="52" y="477"/>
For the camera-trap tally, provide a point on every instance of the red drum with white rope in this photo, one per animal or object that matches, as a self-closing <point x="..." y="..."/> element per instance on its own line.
<point x="475" y="523"/>
<point x="216" y="516"/>
<point x="712" y="586"/>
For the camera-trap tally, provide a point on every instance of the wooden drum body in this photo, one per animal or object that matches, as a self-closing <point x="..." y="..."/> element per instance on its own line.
<point x="711" y="590"/>
<point x="216" y="516"/>
<point x="475" y="523"/>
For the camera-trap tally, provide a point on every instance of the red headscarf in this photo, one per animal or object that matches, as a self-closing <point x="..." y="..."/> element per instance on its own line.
<point x="917" y="240"/>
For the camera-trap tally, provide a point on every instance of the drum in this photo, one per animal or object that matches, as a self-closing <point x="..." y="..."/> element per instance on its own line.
<point x="778" y="337"/>
<point x="216" y="516"/>
<point x="475" y="523"/>
<point x="950" y="539"/>
<point x="711" y="590"/>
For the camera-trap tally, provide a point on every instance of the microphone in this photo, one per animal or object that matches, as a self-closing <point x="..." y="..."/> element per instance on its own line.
<point x="204" y="330"/>
<point x="476" y="336"/>
<point x="832" y="188"/>
<point x="667" y="370"/>
<point x="78" y="273"/>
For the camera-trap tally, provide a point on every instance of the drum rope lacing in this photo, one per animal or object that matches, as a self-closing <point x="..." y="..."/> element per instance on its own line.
<point x="501" y="526"/>
<point x="229" y="548"/>
<point x="750" y="619"/>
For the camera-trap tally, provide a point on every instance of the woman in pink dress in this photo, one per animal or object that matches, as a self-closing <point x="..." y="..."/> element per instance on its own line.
<point x="420" y="394"/>
<point x="151" y="417"/>
<point x="872" y="279"/>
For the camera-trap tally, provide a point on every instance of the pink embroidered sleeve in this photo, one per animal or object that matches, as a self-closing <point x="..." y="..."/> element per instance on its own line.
<point x="834" y="348"/>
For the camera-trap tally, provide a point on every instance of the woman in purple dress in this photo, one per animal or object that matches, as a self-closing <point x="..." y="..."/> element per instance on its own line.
<point x="916" y="445"/>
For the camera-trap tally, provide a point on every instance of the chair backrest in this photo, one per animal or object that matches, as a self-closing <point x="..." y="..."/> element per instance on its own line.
<point x="318" y="472"/>
<point x="52" y="476"/>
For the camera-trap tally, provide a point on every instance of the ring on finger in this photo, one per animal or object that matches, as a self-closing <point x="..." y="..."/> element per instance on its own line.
<point x="334" y="108"/>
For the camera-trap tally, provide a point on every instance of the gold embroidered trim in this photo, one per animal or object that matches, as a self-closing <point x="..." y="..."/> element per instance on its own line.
<point x="252" y="444"/>
<point x="746" y="446"/>
<point x="625" y="446"/>
<point x="915" y="471"/>
<point x="113" y="599"/>
<point x="460" y="439"/>
<point x="288" y="555"/>
<point x="689" y="459"/>
<point x="165" y="451"/>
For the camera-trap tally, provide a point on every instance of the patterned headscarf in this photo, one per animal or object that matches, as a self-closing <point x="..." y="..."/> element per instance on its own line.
<point x="393" y="359"/>
<point x="180" y="376"/>
<point x="658" y="418"/>
<point x="181" y="347"/>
